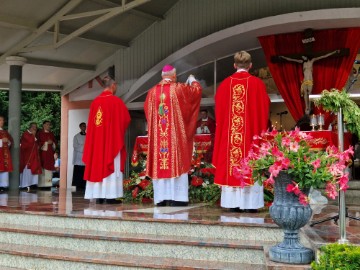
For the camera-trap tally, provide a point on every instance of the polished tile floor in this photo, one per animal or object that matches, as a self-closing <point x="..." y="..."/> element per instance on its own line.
<point x="67" y="203"/>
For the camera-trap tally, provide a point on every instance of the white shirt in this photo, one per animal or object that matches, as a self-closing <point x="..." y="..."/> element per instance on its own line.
<point x="203" y="130"/>
<point x="78" y="144"/>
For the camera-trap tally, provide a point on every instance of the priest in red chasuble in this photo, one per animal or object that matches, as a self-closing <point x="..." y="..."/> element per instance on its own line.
<point x="171" y="111"/>
<point x="47" y="143"/>
<point x="241" y="111"/>
<point x="5" y="157"/>
<point x="104" y="150"/>
<point x="205" y="125"/>
<point x="30" y="166"/>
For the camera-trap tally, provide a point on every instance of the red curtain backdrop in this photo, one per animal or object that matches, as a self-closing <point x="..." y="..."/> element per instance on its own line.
<point x="327" y="73"/>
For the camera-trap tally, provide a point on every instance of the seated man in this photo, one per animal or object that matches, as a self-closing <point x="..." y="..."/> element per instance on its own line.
<point x="205" y="125"/>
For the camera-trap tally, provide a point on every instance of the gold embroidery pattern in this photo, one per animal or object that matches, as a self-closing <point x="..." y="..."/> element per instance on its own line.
<point x="319" y="141"/>
<point x="236" y="125"/>
<point x="163" y="125"/>
<point x="99" y="117"/>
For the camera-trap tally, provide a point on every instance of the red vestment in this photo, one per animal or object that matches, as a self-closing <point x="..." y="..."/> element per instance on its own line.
<point x="242" y="111"/>
<point x="107" y="123"/>
<point x="46" y="152"/>
<point x="5" y="157"/>
<point x="29" y="153"/>
<point x="171" y="111"/>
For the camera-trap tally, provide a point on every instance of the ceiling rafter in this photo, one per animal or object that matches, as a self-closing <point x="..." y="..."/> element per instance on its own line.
<point x="61" y="15"/>
<point x="35" y="87"/>
<point x="61" y="64"/>
<point x="40" y="30"/>
<point x="133" y="11"/>
<point x="109" y="13"/>
<point x="18" y="23"/>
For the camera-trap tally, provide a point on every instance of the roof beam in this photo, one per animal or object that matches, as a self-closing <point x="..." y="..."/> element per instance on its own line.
<point x="18" y="23"/>
<point x="134" y="11"/>
<point x="43" y="28"/>
<point x="35" y="87"/>
<point x="109" y="14"/>
<point x="61" y="64"/>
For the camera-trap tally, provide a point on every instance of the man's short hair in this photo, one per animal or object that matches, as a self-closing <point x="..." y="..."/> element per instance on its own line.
<point x="108" y="81"/>
<point x="32" y="123"/>
<point x="82" y="123"/>
<point x="242" y="59"/>
<point x="46" y="121"/>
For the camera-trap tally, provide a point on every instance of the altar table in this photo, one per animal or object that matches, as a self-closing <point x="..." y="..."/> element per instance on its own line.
<point x="324" y="138"/>
<point x="202" y="144"/>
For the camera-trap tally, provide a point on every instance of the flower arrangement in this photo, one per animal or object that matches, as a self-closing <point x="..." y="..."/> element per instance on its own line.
<point x="275" y="151"/>
<point x="201" y="181"/>
<point x="139" y="189"/>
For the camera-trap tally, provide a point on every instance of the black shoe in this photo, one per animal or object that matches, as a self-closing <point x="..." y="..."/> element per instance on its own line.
<point x="112" y="201"/>
<point x="162" y="203"/>
<point x="100" y="201"/>
<point x="236" y="210"/>
<point x="177" y="203"/>
<point x="251" y="211"/>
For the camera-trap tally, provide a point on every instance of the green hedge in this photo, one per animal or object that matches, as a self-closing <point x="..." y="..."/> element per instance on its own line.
<point x="338" y="257"/>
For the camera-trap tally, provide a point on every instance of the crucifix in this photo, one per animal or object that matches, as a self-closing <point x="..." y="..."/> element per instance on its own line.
<point x="307" y="59"/>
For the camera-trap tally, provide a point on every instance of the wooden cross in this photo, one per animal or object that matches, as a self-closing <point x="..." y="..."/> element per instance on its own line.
<point x="308" y="41"/>
<point x="307" y="59"/>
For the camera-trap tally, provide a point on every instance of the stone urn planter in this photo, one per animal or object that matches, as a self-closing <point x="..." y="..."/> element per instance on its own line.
<point x="290" y="215"/>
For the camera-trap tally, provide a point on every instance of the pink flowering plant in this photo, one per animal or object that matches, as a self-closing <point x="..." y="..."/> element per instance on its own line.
<point x="275" y="151"/>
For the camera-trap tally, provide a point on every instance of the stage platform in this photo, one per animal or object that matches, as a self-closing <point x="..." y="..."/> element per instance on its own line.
<point x="63" y="228"/>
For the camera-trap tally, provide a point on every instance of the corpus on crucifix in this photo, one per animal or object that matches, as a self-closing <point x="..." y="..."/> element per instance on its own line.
<point x="307" y="60"/>
<point x="307" y="83"/>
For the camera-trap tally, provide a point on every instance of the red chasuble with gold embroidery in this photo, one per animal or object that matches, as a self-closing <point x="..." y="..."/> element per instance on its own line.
<point x="29" y="153"/>
<point x="242" y="111"/>
<point x="171" y="110"/>
<point x="5" y="157"/>
<point x="46" y="150"/>
<point x="107" y="123"/>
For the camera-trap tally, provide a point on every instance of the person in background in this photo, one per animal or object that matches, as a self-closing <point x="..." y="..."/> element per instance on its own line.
<point x="205" y="124"/>
<point x="104" y="150"/>
<point x="30" y="165"/>
<point x="242" y="111"/>
<point x="56" y="172"/>
<point x="47" y="143"/>
<point x="79" y="166"/>
<point x="6" y="165"/>
<point x="171" y="110"/>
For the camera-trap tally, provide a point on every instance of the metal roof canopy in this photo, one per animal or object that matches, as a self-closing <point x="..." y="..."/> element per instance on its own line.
<point x="64" y="39"/>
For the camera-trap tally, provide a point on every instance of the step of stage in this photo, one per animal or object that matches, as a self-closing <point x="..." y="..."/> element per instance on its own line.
<point x="248" y="230"/>
<point x="188" y="243"/>
<point x="34" y="257"/>
<point x="210" y="249"/>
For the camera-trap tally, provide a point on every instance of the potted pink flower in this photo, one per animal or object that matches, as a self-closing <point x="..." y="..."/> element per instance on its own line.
<point x="290" y="152"/>
<point x="286" y="161"/>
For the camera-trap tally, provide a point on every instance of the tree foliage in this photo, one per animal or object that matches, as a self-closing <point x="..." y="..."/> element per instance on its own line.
<point x="36" y="107"/>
